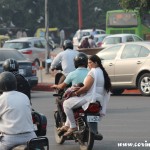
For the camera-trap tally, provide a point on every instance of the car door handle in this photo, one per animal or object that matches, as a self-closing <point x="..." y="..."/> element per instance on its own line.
<point x="139" y="62"/>
<point x="110" y="64"/>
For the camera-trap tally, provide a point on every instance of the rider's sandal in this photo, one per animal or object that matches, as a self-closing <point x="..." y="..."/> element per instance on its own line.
<point x="63" y="128"/>
<point x="70" y="131"/>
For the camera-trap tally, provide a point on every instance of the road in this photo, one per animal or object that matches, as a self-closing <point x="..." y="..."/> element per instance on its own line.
<point x="127" y="121"/>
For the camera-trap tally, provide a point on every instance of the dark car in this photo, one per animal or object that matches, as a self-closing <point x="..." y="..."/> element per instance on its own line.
<point x="26" y="68"/>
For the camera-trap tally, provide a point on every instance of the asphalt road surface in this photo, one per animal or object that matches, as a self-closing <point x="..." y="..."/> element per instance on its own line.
<point x="126" y="125"/>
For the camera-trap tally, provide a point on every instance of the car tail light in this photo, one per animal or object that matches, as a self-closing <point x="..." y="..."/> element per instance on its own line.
<point x="27" y="52"/>
<point x="99" y="44"/>
<point x="33" y="69"/>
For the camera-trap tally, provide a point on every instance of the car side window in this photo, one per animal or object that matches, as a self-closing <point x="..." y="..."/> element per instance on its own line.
<point x="38" y="44"/>
<point x="129" y="39"/>
<point x="110" y="53"/>
<point x="130" y="51"/>
<point x="144" y="52"/>
<point x="137" y="38"/>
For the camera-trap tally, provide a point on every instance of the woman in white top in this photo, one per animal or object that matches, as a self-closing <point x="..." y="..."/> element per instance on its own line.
<point x="96" y="87"/>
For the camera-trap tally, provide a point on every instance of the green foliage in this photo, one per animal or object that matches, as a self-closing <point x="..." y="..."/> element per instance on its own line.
<point x="143" y="5"/>
<point x="62" y="13"/>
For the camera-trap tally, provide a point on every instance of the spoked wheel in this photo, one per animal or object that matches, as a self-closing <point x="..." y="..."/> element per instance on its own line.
<point x="88" y="141"/>
<point x="59" y="139"/>
<point x="144" y="84"/>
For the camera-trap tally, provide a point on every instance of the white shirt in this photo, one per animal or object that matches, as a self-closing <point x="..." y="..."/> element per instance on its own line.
<point x="67" y="60"/>
<point x="15" y="113"/>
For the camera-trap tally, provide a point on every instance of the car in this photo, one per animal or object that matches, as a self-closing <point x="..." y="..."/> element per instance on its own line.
<point x="119" y="38"/>
<point x="99" y="38"/>
<point x="32" y="47"/>
<point x="3" y="38"/>
<point x="26" y="68"/>
<point x="85" y="32"/>
<point x="128" y="66"/>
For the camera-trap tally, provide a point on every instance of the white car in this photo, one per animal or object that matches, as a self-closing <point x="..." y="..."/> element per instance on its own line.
<point x="85" y="32"/>
<point x="32" y="48"/>
<point x="119" y="38"/>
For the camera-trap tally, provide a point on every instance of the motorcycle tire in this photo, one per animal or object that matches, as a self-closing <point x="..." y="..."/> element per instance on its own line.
<point x="59" y="139"/>
<point x="89" y="142"/>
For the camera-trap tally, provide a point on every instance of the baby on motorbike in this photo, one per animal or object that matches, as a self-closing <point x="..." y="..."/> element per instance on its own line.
<point x="72" y="89"/>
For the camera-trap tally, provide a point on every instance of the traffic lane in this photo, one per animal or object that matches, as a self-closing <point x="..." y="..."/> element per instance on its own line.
<point x="127" y="120"/>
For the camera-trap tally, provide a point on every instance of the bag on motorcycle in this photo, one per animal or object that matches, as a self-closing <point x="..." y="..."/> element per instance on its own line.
<point x="41" y="121"/>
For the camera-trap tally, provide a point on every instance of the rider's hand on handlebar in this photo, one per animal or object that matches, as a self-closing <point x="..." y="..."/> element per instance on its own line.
<point x="54" y="86"/>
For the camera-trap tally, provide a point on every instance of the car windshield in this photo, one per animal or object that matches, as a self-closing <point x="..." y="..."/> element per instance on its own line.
<point x="6" y="54"/>
<point x="17" y="45"/>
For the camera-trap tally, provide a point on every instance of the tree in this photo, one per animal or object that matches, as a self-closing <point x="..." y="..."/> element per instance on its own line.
<point x="142" y="5"/>
<point x="29" y="14"/>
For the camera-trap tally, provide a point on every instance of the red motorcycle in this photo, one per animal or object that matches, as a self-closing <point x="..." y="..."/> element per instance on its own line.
<point x="86" y="121"/>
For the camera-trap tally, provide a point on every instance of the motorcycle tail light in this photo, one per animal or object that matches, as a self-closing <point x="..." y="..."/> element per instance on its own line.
<point x="94" y="108"/>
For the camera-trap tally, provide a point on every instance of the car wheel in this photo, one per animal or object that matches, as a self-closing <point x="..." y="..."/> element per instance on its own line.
<point x="37" y="63"/>
<point x="117" y="91"/>
<point x="144" y="84"/>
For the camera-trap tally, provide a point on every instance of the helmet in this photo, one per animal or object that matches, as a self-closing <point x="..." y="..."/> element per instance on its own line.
<point x="7" y="81"/>
<point x="81" y="59"/>
<point x="10" y="65"/>
<point x="67" y="44"/>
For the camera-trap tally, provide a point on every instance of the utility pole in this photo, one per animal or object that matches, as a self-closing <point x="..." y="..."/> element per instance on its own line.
<point x="47" y="52"/>
<point x="80" y="13"/>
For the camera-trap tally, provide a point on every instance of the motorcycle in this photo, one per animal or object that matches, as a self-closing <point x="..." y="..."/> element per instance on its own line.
<point x="86" y="121"/>
<point x="40" y="125"/>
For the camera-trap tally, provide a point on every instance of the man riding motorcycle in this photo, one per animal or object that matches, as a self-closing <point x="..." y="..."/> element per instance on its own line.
<point x="23" y="86"/>
<point x="66" y="58"/>
<point x="16" y="125"/>
<point x="74" y="77"/>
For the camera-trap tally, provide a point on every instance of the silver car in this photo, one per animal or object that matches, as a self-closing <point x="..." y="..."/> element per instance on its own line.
<point x="119" y="38"/>
<point x="32" y="48"/>
<point x="128" y="66"/>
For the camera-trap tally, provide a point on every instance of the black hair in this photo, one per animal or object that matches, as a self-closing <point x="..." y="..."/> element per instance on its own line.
<point x="107" y="82"/>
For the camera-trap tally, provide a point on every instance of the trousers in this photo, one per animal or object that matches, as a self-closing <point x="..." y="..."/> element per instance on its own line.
<point x="70" y="120"/>
<point x="9" y="141"/>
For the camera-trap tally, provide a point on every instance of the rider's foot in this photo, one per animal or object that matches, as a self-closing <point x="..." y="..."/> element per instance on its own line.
<point x="70" y="131"/>
<point x="98" y="136"/>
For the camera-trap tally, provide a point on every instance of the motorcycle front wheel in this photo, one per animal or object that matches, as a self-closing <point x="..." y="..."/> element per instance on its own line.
<point x="59" y="139"/>
<point x="88" y="141"/>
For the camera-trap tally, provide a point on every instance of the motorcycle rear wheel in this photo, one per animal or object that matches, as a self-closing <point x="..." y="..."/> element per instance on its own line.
<point x="89" y="142"/>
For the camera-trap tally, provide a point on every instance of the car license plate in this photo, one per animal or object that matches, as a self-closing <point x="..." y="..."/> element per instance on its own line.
<point x="93" y="118"/>
<point x="21" y="71"/>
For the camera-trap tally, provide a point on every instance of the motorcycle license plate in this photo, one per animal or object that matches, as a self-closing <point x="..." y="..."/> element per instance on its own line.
<point x="93" y="118"/>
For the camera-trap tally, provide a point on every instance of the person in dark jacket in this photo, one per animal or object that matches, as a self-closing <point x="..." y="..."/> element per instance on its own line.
<point x="23" y="86"/>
